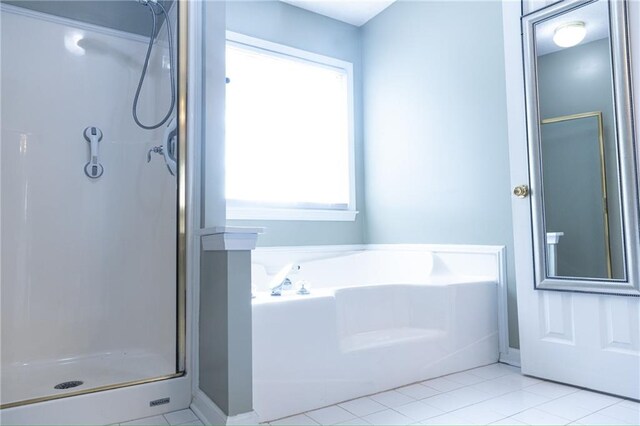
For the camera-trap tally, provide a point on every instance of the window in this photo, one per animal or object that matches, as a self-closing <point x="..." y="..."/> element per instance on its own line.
<point x="289" y="133"/>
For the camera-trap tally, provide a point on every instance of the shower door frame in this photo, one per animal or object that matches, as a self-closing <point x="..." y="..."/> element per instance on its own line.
<point x="184" y="184"/>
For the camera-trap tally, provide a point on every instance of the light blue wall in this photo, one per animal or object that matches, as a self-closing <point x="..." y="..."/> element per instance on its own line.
<point x="436" y="153"/>
<point x="285" y="24"/>
<point x="435" y="167"/>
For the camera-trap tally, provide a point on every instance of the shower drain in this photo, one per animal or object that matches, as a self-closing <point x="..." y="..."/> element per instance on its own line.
<point x="68" y="385"/>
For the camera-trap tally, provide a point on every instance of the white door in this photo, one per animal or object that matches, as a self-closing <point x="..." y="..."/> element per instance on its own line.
<point x="587" y="340"/>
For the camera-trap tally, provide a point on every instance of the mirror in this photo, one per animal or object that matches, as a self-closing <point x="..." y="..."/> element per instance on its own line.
<point x="581" y="147"/>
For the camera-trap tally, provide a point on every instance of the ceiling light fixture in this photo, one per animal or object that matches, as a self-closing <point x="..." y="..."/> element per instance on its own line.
<point x="569" y="34"/>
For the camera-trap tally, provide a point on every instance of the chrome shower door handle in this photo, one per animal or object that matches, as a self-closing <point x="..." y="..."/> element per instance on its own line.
<point x="169" y="147"/>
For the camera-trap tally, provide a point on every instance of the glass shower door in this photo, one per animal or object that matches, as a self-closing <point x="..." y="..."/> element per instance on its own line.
<point x="88" y="209"/>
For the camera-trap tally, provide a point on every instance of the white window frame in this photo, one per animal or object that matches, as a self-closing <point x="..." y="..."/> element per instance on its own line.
<point x="296" y="212"/>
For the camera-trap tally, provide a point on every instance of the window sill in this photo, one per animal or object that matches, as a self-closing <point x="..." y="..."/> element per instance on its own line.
<point x="257" y="213"/>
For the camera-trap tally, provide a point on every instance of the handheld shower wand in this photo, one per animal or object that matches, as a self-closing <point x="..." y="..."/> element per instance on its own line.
<point x="151" y="4"/>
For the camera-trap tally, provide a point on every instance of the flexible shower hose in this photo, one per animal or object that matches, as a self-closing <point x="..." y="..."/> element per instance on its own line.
<point x="146" y="64"/>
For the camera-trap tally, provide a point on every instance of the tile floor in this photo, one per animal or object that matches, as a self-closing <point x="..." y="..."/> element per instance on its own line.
<point x="182" y="418"/>
<point x="496" y="394"/>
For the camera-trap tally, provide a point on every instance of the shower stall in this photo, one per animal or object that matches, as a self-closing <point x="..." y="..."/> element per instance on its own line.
<point x="92" y="227"/>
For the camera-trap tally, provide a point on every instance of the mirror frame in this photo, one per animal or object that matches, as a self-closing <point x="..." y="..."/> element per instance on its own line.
<point x="628" y="153"/>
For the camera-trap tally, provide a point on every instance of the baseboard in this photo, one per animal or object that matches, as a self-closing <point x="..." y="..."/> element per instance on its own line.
<point x="206" y="410"/>
<point x="211" y="414"/>
<point x="511" y="357"/>
<point x="250" y="418"/>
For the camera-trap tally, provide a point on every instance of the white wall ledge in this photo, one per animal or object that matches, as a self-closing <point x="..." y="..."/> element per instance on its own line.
<point x="243" y="213"/>
<point x="229" y="238"/>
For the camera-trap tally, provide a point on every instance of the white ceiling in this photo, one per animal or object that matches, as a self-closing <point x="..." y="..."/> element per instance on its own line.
<point x="354" y="12"/>
<point x="594" y="15"/>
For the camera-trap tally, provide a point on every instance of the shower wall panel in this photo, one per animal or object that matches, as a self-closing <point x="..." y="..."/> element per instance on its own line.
<point x="88" y="269"/>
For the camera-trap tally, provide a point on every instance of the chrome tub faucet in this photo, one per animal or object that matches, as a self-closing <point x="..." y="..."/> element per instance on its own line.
<point x="282" y="281"/>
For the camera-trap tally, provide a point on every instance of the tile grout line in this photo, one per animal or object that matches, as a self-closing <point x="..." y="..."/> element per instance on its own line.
<point x="410" y="384"/>
<point x="603" y="408"/>
<point x="622" y="399"/>
<point x="462" y="386"/>
<point x="538" y="405"/>
<point x="359" y="417"/>
<point x="520" y="389"/>
<point x="484" y="379"/>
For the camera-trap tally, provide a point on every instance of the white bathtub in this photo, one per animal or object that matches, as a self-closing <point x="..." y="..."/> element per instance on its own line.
<point x="375" y="320"/>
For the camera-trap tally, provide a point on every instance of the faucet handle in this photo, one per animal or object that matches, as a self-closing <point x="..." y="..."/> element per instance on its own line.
<point x="157" y="149"/>
<point x="304" y="287"/>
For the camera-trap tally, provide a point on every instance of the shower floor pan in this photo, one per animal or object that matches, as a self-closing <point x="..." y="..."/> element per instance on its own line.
<point x="21" y="382"/>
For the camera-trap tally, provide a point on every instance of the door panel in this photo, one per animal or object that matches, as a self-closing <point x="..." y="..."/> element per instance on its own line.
<point x="581" y="339"/>
<point x="556" y="313"/>
<point x="587" y="340"/>
<point x="619" y="326"/>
